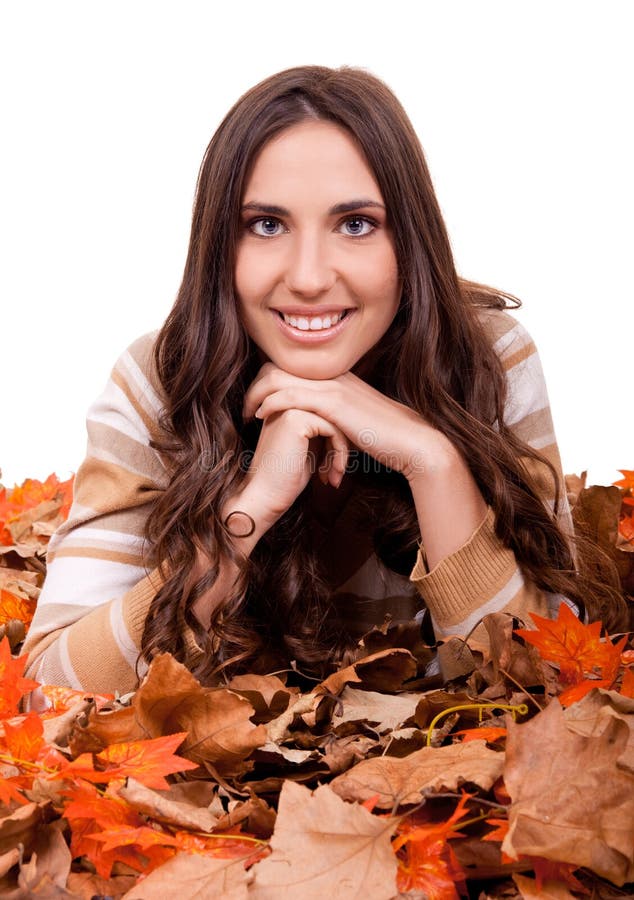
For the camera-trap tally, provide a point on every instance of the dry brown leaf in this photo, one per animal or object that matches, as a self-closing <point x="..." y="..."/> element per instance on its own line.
<point x="191" y="877"/>
<point x="20" y="827"/>
<point x="590" y="715"/>
<point x="550" y="890"/>
<point x="383" y="671"/>
<point x="278" y="729"/>
<point x="324" y="847"/>
<point x="405" y="780"/>
<point x="384" y="712"/>
<point x="86" y="885"/>
<point x="164" y="808"/>
<point x="218" y="721"/>
<point x="571" y="801"/>
<point x="267" y="694"/>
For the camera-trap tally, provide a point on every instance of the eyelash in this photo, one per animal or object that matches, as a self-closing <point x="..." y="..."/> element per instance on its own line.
<point x="355" y="237"/>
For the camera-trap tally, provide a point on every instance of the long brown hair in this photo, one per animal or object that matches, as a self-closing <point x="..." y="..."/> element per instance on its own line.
<point x="435" y="358"/>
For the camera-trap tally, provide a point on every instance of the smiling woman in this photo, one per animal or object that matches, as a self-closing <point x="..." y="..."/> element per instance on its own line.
<point x="330" y="427"/>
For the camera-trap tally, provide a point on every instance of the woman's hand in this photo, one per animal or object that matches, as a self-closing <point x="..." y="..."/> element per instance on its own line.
<point x="389" y="431"/>
<point x="282" y="464"/>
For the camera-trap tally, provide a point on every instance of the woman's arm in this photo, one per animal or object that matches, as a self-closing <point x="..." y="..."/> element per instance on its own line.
<point x="468" y="572"/>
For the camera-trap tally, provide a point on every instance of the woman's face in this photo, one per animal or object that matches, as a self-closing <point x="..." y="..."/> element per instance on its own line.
<point x="297" y="253"/>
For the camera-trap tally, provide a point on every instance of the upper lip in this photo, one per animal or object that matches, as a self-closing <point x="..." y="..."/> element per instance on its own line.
<point x="313" y="311"/>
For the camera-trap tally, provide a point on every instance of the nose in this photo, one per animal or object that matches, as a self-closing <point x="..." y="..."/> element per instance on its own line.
<point x="309" y="270"/>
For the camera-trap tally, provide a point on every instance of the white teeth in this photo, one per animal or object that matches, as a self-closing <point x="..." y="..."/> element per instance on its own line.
<point x="316" y="323"/>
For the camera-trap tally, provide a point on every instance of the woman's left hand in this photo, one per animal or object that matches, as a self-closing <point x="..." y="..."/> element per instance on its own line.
<point x="387" y="430"/>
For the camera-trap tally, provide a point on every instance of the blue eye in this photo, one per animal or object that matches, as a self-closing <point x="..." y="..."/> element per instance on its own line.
<point x="268" y="221"/>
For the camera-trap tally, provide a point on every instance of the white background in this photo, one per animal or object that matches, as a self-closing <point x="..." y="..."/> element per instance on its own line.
<point x="524" y="111"/>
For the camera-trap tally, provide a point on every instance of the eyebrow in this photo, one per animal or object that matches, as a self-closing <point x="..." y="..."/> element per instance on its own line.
<point x="348" y="206"/>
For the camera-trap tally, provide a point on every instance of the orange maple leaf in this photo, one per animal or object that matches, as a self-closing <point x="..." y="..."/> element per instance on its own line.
<point x="550" y="870"/>
<point x="13" y="684"/>
<point x="25" y="741"/>
<point x="147" y="761"/>
<point x="575" y="647"/>
<point x="9" y="791"/>
<point x="63" y="698"/>
<point x="89" y="812"/>
<point x="488" y="733"/>
<point x="29" y="495"/>
<point x="13" y="607"/>
<point x="627" y="482"/>
<point x="498" y="834"/>
<point x="426" y="862"/>
<point x="626" y="528"/>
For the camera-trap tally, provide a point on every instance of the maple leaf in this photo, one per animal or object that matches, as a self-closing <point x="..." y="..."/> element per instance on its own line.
<point x="627" y="482"/>
<point x="223" y="847"/>
<point x="147" y="761"/>
<point x="25" y="741"/>
<point x="12" y="607"/>
<point x="63" y="698"/>
<point x="13" y="684"/>
<point x="488" y="733"/>
<point x="575" y="647"/>
<point x="551" y="870"/>
<point x="9" y="791"/>
<point x="89" y="812"/>
<point x="626" y="528"/>
<point x="426" y="862"/>
<point x="142" y="836"/>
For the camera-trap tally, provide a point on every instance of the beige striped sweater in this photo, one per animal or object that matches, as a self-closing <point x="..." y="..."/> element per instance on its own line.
<point x="87" y="628"/>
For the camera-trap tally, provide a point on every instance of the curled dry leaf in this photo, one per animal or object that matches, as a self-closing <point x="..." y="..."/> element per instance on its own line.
<point x="571" y="802"/>
<point x="590" y="716"/>
<point x="383" y="712"/>
<point x="161" y="806"/>
<point x="218" y="721"/>
<point x="324" y="847"/>
<point x="383" y="671"/>
<point x="404" y="781"/>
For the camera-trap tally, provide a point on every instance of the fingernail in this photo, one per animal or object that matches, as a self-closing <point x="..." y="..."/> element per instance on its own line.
<point x="258" y="413"/>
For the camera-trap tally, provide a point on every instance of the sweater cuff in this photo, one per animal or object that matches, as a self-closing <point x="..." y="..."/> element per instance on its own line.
<point x="468" y="577"/>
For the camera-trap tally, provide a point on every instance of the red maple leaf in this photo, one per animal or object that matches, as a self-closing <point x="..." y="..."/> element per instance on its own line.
<point x="426" y="862"/>
<point x="575" y="647"/>
<point x="25" y="741"/>
<point x="90" y="813"/>
<point x="13" y="684"/>
<point x="147" y="761"/>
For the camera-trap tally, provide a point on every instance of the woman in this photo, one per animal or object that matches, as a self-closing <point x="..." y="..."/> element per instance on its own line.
<point x="330" y="426"/>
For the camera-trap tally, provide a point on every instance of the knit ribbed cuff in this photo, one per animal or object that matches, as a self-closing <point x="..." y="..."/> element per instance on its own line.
<point x="468" y="577"/>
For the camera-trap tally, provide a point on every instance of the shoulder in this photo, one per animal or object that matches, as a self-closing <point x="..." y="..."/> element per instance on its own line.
<point x="135" y="370"/>
<point x="510" y="339"/>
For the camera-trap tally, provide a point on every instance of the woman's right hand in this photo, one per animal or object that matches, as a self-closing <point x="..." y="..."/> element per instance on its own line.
<point x="285" y="458"/>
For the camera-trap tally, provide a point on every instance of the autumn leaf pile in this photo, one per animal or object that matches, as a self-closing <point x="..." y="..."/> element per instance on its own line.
<point x="512" y="776"/>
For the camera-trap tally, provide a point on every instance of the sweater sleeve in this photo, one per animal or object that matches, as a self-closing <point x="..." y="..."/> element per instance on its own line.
<point x="87" y="627"/>
<point x="482" y="576"/>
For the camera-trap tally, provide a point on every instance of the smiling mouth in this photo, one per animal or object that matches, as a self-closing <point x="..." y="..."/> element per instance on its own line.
<point x="285" y="317"/>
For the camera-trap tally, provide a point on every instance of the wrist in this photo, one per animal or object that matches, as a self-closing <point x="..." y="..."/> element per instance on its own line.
<point x="430" y="460"/>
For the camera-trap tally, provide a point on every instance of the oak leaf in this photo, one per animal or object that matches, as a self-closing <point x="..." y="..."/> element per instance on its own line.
<point x="325" y="847"/>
